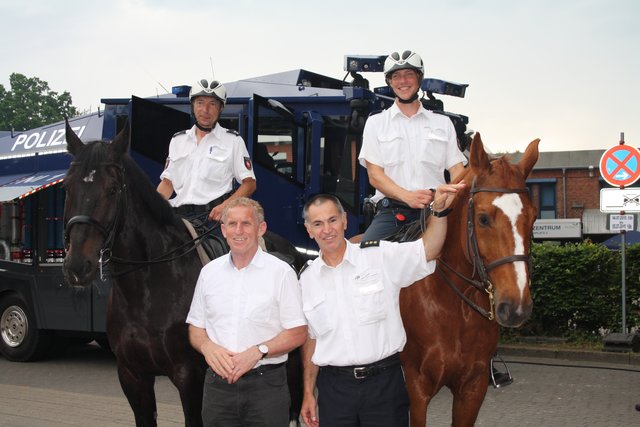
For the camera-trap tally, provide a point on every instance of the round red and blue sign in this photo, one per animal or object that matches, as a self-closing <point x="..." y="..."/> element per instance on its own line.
<point x="620" y="165"/>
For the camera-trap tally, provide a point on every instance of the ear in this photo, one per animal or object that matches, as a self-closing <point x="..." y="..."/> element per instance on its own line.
<point x="120" y="143"/>
<point x="529" y="158"/>
<point x="478" y="158"/>
<point x="73" y="142"/>
<point x="262" y="228"/>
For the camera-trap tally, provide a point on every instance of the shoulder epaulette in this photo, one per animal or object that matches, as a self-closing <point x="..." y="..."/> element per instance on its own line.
<point x="179" y="133"/>
<point x="369" y="244"/>
<point x="373" y="113"/>
<point x="235" y="132"/>
<point x="304" y="267"/>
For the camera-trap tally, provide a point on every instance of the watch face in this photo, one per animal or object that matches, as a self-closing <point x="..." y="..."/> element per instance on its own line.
<point x="263" y="349"/>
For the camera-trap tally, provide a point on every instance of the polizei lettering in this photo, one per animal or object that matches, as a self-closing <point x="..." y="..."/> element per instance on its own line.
<point x="43" y="139"/>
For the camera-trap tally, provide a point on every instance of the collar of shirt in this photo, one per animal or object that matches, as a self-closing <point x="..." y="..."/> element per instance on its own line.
<point x="217" y="131"/>
<point x="394" y="111"/>
<point x="256" y="261"/>
<point x="349" y="256"/>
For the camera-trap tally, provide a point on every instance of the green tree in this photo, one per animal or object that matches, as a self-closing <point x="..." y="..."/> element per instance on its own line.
<point x="31" y="103"/>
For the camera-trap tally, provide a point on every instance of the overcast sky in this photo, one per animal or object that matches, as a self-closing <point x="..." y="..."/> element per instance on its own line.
<point x="565" y="71"/>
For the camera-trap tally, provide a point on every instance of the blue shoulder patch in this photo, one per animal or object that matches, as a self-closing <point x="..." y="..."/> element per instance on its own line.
<point x="370" y="244"/>
<point x="235" y="132"/>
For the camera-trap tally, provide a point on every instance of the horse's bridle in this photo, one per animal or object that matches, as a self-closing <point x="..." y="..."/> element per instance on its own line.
<point x="479" y="268"/>
<point x="109" y="232"/>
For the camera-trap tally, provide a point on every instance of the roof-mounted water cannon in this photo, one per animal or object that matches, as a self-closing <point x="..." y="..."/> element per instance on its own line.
<point x="354" y="64"/>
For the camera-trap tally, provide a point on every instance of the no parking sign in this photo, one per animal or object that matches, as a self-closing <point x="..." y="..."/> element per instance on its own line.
<point x="620" y="165"/>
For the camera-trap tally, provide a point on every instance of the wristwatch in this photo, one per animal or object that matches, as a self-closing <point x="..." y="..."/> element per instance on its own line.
<point x="262" y="348"/>
<point x="440" y="214"/>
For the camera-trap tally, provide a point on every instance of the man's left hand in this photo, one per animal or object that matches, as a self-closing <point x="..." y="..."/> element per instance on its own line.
<point x="243" y="363"/>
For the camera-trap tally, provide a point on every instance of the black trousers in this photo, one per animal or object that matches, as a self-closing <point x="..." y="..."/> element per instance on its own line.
<point x="260" y="400"/>
<point x="377" y="401"/>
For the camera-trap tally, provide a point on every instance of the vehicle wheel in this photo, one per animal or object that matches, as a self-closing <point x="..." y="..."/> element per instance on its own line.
<point x="20" y="340"/>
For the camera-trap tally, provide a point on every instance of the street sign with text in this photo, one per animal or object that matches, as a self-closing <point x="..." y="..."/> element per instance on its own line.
<point x="618" y="223"/>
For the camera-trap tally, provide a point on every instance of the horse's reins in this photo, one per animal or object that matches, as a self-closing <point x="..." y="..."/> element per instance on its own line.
<point x="484" y="284"/>
<point x="110" y="232"/>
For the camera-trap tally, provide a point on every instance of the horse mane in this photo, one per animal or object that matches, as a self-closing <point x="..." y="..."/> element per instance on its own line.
<point x="138" y="185"/>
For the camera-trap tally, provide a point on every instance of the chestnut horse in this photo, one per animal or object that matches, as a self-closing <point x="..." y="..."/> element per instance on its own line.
<point x="482" y="274"/>
<point x="114" y="215"/>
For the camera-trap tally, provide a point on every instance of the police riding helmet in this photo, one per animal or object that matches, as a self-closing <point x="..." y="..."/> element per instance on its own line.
<point x="407" y="60"/>
<point x="204" y="87"/>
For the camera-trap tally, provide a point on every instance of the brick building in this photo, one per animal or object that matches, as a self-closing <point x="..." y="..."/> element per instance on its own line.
<point x="565" y="187"/>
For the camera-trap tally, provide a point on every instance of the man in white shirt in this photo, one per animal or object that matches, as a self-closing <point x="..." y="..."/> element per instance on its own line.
<point x="406" y="149"/>
<point x="350" y="297"/>
<point x="204" y="160"/>
<point x="246" y="315"/>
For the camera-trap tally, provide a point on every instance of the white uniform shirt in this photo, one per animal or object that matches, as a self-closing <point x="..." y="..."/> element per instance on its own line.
<point x="243" y="308"/>
<point x="202" y="172"/>
<point x="413" y="151"/>
<point x="353" y="309"/>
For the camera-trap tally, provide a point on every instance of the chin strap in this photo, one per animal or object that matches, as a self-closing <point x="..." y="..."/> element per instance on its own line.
<point x="204" y="129"/>
<point x="410" y="100"/>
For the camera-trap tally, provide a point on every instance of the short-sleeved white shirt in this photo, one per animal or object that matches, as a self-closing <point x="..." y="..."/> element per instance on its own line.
<point x="413" y="151"/>
<point x="353" y="309"/>
<point x="202" y="172"/>
<point x="243" y="308"/>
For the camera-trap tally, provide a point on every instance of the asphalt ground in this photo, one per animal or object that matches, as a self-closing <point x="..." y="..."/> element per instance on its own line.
<point x="550" y="388"/>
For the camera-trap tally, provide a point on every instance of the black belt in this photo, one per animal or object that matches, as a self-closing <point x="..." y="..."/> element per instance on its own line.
<point x="386" y="203"/>
<point x="360" y="372"/>
<point x="262" y="369"/>
<point x="192" y="209"/>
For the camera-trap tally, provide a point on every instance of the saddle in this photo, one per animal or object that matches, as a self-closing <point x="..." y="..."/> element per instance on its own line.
<point x="211" y="246"/>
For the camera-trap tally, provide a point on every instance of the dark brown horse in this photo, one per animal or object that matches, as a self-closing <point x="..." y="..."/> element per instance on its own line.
<point x="482" y="280"/>
<point x="114" y="216"/>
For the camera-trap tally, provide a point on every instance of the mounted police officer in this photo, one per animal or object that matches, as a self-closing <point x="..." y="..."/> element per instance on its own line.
<point x="204" y="160"/>
<point x="406" y="149"/>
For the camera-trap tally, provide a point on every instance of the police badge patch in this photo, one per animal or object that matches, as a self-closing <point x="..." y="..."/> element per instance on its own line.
<point x="247" y="163"/>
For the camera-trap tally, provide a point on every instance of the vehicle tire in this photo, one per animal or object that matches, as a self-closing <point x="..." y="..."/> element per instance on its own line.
<point x="20" y="340"/>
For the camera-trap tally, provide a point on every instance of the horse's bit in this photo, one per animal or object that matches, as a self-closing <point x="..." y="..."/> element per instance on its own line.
<point x="482" y="271"/>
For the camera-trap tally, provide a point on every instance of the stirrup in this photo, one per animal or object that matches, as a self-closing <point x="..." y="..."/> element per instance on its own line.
<point x="500" y="379"/>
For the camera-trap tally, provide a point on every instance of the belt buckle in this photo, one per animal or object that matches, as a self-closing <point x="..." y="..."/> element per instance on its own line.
<point x="360" y="373"/>
<point x="386" y="203"/>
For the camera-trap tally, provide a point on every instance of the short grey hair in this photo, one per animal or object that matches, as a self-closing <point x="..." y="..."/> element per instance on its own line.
<point x="319" y="199"/>
<point x="258" y="211"/>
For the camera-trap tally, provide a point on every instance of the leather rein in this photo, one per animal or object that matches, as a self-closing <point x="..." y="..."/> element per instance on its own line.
<point x="480" y="270"/>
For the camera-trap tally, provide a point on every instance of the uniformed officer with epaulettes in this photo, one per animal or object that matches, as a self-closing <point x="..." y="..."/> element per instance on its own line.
<point x="350" y="297"/>
<point x="204" y="160"/>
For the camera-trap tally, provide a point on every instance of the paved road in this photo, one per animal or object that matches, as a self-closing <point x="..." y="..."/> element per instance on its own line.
<point x="80" y="388"/>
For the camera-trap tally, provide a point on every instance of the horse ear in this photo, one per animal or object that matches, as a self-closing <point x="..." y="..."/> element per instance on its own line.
<point x="529" y="158"/>
<point x="120" y="143"/>
<point x="74" y="144"/>
<point x="478" y="158"/>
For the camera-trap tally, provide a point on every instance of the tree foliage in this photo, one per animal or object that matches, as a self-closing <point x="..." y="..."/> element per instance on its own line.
<point x="30" y="103"/>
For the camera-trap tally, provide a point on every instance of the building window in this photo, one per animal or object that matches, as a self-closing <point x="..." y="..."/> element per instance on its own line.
<point x="547" y="201"/>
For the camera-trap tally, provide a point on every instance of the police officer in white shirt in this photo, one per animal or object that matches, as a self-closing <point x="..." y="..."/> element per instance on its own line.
<point x="246" y="315"/>
<point x="406" y="149"/>
<point x="204" y="160"/>
<point x="350" y="297"/>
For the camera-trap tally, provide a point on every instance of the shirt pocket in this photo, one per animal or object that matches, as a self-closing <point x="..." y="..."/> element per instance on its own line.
<point x="390" y="146"/>
<point x="434" y="147"/>
<point x="318" y="315"/>
<point x="258" y="308"/>
<point x="370" y="297"/>
<point x="179" y="169"/>
<point x="215" y="164"/>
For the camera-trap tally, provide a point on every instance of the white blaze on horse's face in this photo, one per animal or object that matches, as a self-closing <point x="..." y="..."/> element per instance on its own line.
<point x="89" y="178"/>
<point x="511" y="205"/>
